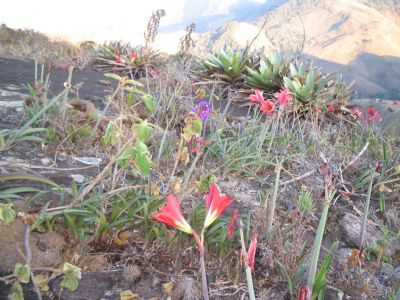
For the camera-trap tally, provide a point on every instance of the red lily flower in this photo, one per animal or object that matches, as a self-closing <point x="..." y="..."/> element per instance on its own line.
<point x="216" y="204"/>
<point x="357" y="113"/>
<point x="134" y="56"/>
<point x="171" y="215"/>
<point x="267" y="107"/>
<point x="331" y="108"/>
<point x="304" y="293"/>
<point x="251" y="253"/>
<point x="374" y="115"/>
<point x="257" y="97"/>
<point x="118" y="59"/>
<point x="284" y="98"/>
<point x="233" y="224"/>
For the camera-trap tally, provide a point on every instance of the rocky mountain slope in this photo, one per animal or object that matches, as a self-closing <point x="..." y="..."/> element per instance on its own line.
<point x="359" y="38"/>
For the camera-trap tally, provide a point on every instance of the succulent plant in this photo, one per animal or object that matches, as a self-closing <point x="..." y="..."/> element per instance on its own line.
<point x="306" y="83"/>
<point x="269" y="75"/>
<point x="227" y="65"/>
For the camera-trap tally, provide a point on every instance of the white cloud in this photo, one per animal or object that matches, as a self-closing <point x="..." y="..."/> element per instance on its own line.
<point x="88" y="19"/>
<point x="101" y="20"/>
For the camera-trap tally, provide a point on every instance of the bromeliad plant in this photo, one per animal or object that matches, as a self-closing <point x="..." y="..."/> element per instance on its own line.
<point x="305" y="83"/>
<point x="227" y="66"/>
<point x="125" y="59"/>
<point x="269" y="75"/>
<point x="171" y="215"/>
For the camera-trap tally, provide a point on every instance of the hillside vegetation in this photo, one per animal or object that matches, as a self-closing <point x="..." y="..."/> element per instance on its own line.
<point x="237" y="175"/>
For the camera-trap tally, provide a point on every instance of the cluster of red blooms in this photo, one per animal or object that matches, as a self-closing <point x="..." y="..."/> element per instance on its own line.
<point x="268" y="107"/>
<point x="216" y="203"/>
<point x="372" y="115"/>
<point x="133" y="57"/>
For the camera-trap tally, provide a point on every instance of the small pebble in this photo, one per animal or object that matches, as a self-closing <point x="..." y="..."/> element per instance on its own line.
<point x="45" y="161"/>
<point x="78" y="178"/>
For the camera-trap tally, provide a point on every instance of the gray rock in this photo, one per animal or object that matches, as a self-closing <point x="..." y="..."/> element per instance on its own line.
<point x="78" y="178"/>
<point x="46" y="247"/>
<point x="396" y="275"/>
<point x="386" y="273"/>
<point x="393" y="247"/>
<point x="45" y="161"/>
<point x="342" y="257"/>
<point x="92" y="286"/>
<point x="186" y="289"/>
<point x="387" y="270"/>
<point x="351" y="228"/>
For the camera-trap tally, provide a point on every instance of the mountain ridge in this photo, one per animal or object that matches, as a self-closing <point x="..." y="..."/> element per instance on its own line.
<point x="354" y="37"/>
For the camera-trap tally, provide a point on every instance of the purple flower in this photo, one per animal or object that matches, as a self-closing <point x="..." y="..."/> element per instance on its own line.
<point x="203" y="110"/>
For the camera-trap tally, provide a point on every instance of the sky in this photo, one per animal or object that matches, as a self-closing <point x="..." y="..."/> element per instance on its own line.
<point x="101" y="20"/>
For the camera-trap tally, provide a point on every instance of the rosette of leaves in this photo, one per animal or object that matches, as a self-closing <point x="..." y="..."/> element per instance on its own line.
<point x="227" y="65"/>
<point x="117" y="57"/>
<point x="269" y="74"/>
<point x="305" y="83"/>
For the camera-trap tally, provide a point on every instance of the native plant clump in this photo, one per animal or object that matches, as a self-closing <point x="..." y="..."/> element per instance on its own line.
<point x="227" y="66"/>
<point x="316" y="91"/>
<point x="125" y="59"/>
<point x="268" y="76"/>
<point x="306" y="83"/>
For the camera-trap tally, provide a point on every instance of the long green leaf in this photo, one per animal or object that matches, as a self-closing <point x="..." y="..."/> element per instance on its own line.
<point x="14" y="177"/>
<point x="318" y="242"/>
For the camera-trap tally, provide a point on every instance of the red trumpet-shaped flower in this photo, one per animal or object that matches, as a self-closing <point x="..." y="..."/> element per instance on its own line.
<point x="118" y="59"/>
<point x="284" y="98"/>
<point x="357" y="113"/>
<point x="267" y="107"/>
<point x="216" y="204"/>
<point x="171" y="215"/>
<point x="257" y="97"/>
<point x="134" y="56"/>
<point x="251" y="253"/>
<point x="373" y="115"/>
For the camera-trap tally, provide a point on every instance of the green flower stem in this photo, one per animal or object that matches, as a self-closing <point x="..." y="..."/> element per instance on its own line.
<point x="200" y="245"/>
<point x="366" y="211"/>
<point x="263" y="136"/>
<point x="204" y="284"/>
<point x="250" y="285"/>
<point x="275" y="128"/>
<point x="272" y="203"/>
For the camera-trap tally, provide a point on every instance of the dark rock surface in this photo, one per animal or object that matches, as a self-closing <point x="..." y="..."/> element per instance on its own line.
<point x="15" y="74"/>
